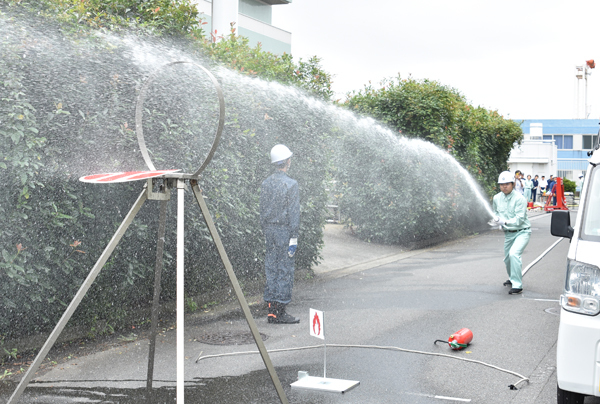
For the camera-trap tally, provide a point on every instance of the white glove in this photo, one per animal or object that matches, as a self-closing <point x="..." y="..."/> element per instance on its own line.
<point x="497" y="221"/>
<point x="293" y="246"/>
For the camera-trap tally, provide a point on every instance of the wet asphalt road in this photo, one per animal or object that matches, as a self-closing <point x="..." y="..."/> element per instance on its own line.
<point x="407" y="304"/>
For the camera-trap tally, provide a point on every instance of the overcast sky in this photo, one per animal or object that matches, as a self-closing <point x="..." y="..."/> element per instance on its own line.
<point x="517" y="57"/>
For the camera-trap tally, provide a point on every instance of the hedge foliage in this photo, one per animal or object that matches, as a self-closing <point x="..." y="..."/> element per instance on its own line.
<point x="570" y="186"/>
<point x="68" y="106"/>
<point x="480" y="139"/>
<point x="181" y="18"/>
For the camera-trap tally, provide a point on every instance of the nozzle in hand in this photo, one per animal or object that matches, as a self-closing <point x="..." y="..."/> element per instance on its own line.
<point x="496" y="221"/>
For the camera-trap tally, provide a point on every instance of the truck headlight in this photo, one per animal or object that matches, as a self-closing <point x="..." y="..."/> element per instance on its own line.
<point x="582" y="288"/>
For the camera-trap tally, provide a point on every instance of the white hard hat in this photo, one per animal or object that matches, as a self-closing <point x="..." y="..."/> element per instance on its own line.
<point x="506" y="177"/>
<point x="280" y="153"/>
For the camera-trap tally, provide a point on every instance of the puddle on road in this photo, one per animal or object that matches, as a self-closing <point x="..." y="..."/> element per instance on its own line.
<point x="254" y="387"/>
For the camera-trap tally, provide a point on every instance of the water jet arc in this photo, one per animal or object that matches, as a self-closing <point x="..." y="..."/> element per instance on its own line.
<point x="139" y="130"/>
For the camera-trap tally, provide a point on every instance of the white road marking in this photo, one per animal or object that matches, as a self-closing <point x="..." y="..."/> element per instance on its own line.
<point x="538" y="217"/>
<point x="464" y="400"/>
<point x="541" y="256"/>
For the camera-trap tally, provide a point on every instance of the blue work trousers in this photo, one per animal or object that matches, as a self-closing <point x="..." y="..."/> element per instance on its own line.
<point x="279" y="267"/>
<point x="514" y="244"/>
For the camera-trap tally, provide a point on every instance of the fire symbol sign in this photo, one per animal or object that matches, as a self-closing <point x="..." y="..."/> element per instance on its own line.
<point x="316" y="323"/>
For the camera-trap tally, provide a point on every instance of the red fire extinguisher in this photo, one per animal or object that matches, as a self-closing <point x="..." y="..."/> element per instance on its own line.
<point x="459" y="340"/>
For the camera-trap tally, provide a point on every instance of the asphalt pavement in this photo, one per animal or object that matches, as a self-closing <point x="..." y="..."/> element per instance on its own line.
<point x="373" y="296"/>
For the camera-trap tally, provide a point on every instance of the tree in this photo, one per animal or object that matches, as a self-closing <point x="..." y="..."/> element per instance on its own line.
<point x="181" y="18"/>
<point x="235" y="52"/>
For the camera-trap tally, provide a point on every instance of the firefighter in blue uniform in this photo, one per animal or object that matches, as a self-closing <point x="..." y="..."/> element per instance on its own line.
<point x="280" y="221"/>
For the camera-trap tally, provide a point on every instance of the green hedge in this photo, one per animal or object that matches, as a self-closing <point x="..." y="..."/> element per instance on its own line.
<point x="68" y="110"/>
<point x="481" y="140"/>
<point x="570" y="186"/>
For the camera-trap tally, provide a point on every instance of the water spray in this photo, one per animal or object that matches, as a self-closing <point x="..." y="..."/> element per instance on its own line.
<point x="383" y="140"/>
<point x="171" y="179"/>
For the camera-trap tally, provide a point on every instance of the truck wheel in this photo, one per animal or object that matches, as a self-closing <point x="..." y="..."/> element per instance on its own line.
<point x="568" y="397"/>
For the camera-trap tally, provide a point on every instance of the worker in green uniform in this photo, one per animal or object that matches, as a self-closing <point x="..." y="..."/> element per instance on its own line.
<point x="510" y="208"/>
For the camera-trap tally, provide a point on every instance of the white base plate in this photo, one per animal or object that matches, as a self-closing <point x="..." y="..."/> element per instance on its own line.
<point x="323" y="384"/>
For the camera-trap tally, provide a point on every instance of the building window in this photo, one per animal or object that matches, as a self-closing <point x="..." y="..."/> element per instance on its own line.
<point x="558" y="139"/>
<point x="568" y="142"/>
<point x="562" y="142"/>
<point x="563" y="174"/>
<point x="589" y="141"/>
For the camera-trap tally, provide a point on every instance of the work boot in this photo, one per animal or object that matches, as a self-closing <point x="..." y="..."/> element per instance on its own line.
<point x="507" y="283"/>
<point x="277" y="314"/>
<point x="272" y="312"/>
<point x="515" y="291"/>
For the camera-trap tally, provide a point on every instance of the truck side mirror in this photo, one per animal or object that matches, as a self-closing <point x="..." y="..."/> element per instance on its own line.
<point x="560" y="224"/>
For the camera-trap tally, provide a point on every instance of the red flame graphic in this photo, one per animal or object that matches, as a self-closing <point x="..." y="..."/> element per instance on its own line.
<point x="316" y="322"/>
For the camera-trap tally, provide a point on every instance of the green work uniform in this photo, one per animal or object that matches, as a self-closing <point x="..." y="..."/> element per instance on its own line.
<point x="512" y="208"/>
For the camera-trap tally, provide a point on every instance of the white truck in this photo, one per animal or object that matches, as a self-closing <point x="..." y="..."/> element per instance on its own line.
<point x="578" y="347"/>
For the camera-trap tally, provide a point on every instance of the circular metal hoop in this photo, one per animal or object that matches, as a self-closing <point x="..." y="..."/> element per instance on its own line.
<point x="139" y="109"/>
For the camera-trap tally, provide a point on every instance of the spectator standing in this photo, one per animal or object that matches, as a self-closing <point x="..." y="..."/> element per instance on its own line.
<point x="519" y="186"/>
<point x="535" y="188"/>
<point x="528" y="186"/>
<point x="550" y="188"/>
<point x="543" y="185"/>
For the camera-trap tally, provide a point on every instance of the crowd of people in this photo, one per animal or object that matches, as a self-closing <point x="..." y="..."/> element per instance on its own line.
<point x="534" y="190"/>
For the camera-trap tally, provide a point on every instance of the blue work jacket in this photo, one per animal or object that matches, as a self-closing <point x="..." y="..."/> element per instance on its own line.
<point x="280" y="203"/>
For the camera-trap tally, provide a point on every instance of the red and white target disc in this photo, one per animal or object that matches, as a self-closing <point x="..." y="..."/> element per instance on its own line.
<point x="124" y="176"/>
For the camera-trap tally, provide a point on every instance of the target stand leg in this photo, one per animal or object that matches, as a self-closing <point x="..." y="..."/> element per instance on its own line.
<point x="238" y="291"/>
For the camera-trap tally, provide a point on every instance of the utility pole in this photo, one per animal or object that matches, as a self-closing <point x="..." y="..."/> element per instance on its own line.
<point x="583" y="72"/>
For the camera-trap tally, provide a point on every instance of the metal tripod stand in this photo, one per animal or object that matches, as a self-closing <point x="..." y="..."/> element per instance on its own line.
<point x="170" y="181"/>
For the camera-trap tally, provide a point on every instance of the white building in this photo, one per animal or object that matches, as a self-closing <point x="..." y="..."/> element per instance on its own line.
<point x="534" y="155"/>
<point x="555" y="146"/>
<point x="251" y="18"/>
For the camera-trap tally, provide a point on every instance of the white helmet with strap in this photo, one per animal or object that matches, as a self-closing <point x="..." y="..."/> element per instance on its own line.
<point x="280" y="153"/>
<point x="506" y="177"/>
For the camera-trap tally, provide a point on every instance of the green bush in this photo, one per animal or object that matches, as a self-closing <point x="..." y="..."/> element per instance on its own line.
<point x="235" y="52"/>
<point x="179" y="17"/>
<point x="479" y="139"/>
<point x="570" y="186"/>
